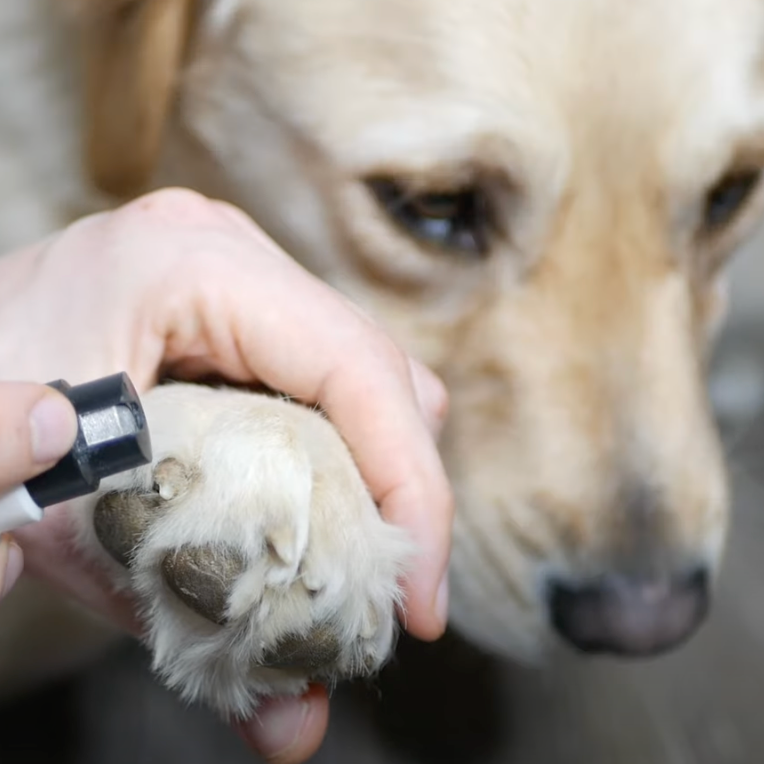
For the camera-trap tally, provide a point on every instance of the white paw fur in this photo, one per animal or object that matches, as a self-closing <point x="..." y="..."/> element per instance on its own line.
<point x="254" y="514"/>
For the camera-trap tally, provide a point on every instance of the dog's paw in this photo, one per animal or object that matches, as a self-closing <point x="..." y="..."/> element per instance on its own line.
<point x="252" y="544"/>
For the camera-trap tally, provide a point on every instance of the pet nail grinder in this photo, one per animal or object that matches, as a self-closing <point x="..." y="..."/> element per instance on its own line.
<point x="112" y="437"/>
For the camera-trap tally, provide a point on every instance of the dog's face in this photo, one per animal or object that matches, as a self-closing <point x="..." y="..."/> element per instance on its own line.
<point x="537" y="199"/>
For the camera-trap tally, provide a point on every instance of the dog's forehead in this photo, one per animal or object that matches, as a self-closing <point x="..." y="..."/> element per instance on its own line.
<point x="546" y="71"/>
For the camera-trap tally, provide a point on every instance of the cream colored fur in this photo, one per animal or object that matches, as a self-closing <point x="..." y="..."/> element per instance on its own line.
<point x="573" y="352"/>
<point x="277" y="483"/>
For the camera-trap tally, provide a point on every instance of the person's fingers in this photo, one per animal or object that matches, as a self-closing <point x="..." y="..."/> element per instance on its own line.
<point x="38" y="427"/>
<point x="400" y="464"/>
<point x="318" y="351"/>
<point x="224" y="298"/>
<point x="303" y="339"/>
<point x="288" y="730"/>
<point x="11" y="563"/>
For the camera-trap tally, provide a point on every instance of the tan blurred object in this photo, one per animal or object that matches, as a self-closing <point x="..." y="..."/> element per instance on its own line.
<point x="133" y="55"/>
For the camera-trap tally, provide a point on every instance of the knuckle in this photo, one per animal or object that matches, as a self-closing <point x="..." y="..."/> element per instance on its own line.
<point x="431" y="393"/>
<point x="389" y="354"/>
<point x="174" y="206"/>
<point x="437" y="395"/>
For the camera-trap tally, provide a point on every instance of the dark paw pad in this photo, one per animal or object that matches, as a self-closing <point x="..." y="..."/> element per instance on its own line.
<point x="315" y="650"/>
<point x="202" y="578"/>
<point x="121" y="520"/>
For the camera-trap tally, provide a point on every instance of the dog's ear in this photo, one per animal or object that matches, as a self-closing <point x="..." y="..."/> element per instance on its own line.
<point x="81" y="7"/>
<point x="133" y="52"/>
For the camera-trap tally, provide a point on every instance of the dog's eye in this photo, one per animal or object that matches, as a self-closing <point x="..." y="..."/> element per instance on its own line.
<point x="728" y="197"/>
<point x="457" y="221"/>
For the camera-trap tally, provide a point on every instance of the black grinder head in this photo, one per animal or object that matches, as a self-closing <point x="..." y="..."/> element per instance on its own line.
<point x="112" y="437"/>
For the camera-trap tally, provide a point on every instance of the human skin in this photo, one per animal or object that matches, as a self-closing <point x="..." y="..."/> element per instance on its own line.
<point x="177" y="284"/>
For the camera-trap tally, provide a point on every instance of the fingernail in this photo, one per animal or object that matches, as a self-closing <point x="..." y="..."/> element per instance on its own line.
<point x="441" y="601"/>
<point x="54" y="428"/>
<point x="11" y="563"/>
<point x="278" y="727"/>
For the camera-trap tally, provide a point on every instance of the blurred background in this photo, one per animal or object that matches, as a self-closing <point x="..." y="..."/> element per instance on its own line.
<point x="702" y="705"/>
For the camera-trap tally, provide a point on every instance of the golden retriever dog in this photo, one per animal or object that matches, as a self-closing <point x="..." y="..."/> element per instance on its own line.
<point x="537" y="198"/>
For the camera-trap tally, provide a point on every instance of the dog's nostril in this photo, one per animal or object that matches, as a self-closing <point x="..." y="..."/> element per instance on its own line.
<point x="630" y="617"/>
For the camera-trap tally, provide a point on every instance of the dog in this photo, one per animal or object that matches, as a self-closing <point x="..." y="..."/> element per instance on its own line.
<point x="539" y="200"/>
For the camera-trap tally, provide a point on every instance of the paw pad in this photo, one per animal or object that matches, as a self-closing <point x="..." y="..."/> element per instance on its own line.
<point x="317" y="649"/>
<point x="257" y="554"/>
<point x="121" y="520"/>
<point x="202" y="578"/>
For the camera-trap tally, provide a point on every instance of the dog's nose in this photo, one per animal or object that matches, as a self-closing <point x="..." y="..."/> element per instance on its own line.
<point x="629" y="617"/>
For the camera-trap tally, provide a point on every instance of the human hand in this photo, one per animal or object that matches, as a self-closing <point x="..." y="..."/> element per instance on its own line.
<point x="37" y="428"/>
<point x="174" y="283"/>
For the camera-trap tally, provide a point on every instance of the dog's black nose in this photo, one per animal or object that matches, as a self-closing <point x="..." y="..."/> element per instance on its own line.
<point x="628" y="617"/>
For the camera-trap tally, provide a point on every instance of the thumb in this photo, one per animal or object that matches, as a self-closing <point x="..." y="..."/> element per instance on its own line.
<point x="38" y="426"/>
